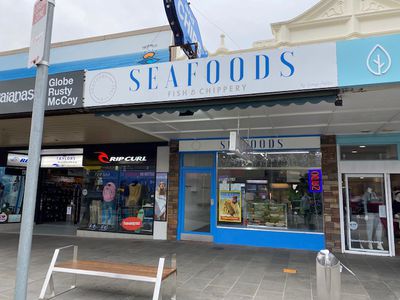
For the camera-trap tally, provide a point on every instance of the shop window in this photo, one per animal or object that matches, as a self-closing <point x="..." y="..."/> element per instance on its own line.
<point x="118" y="199"/>
<point x="269" y="191"/>
<point x="11" y="196"/>
<point x="369" y="152"/>
<point x="200" y="160"/>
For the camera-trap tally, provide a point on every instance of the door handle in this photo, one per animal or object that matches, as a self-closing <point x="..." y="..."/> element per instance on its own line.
<point x="212" y="202"/>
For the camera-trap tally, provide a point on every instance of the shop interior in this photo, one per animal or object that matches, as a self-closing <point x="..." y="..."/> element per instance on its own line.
<point x="115" y="193"/>
<point x="395" y="184"/>
<point x="59" y="197"/>
<point x="269" y="191"/>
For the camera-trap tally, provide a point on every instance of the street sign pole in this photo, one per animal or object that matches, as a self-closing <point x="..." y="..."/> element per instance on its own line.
<point x="35" y="146"/>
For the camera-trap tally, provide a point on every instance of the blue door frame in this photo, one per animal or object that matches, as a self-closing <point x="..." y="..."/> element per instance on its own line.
<point x="181" y="206"/>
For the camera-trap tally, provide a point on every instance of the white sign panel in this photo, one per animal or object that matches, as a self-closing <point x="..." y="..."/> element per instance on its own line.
<point x="259" y="143"/>
<point x="38" y="34"/>
<point x="291" y="69"/>
<point x="62" y="161"/>
<point x="17" y="160"/>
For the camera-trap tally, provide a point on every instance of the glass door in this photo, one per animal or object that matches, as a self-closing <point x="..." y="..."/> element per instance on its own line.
<point x="395" y="200"/>
<point x="197" y="204"/>
<point x="197" y="212"/>
<point x="366" y="213"/>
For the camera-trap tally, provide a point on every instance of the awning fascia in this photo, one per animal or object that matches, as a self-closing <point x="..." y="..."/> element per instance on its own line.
<point x="229" y="103"/>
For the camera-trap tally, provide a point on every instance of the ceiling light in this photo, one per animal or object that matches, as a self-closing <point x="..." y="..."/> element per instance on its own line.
<point x="354" y="151"/>
<point x="363" y="146"/>
<point x="279" y="186"/>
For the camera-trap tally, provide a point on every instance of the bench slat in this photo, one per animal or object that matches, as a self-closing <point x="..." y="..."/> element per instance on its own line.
<point x="118" y="268"/>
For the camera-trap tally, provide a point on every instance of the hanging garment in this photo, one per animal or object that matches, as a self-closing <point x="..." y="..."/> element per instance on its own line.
<point x="109" y="192"/>
<point x="135" y="193"/>
<point x="95" y="212"/>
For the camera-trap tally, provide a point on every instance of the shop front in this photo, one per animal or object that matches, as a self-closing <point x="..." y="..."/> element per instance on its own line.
<point x="368" y="157"/>
<point x="94" y="189"/>
<point x="12" y="184"/>
<point x="119" y="189"/>
<point x="370" y="180"/>
<point x="269" y="196"/>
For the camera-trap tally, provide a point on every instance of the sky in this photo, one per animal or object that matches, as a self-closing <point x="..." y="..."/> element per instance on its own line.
<point x="242" y="21"/>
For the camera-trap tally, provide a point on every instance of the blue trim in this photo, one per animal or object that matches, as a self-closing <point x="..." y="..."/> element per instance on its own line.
<point x="273" y="239"/>
<point x="181" y="197"/>
<point x="252" y="137"/>
<point x="89" y="64"/>
<point x="374" y="139"/>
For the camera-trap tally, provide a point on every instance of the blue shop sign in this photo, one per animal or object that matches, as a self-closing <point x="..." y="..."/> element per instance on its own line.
<point x="185" y="28"/>
<point x="369" y="61"/>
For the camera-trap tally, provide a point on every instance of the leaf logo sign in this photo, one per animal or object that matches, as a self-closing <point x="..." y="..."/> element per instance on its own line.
<point x="379" y="61"/>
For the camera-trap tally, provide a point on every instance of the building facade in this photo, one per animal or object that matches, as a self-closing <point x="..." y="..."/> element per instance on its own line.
<point x="292" y="144"/>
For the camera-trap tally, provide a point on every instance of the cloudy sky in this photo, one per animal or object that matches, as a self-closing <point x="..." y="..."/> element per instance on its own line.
<point x="243" y="21"/>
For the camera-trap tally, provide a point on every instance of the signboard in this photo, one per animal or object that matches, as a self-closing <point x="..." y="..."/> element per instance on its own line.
<point x="315" y="181"/>
<point x="65" y="92"/>
<point x="261" y="72"/>
<point x="120" y="154"/>
<point x="258" y="143"/>
<point x="17" y="160"/>
<point x="373" y="60"/>
<point x="38" y="34"/>
<point x="131" y="223"/>
<point x="185" y="27"/>
<point x="62" y="161"/>
<point x="230" y="206"/>
<point x="160" y="207"/>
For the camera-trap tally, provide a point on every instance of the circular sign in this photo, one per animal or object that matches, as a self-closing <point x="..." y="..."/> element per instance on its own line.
<point x="84" y="192"/>
<point x="353" y="225"/>
<point x="131" y="223"/>
<point x="3" y="217"/>
<point x="103" y="87"/>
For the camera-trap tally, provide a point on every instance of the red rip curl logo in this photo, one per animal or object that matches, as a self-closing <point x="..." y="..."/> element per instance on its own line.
<point x="103" y="157"/>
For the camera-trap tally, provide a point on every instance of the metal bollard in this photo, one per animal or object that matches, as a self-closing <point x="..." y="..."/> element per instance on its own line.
<point x="328" y="269"/>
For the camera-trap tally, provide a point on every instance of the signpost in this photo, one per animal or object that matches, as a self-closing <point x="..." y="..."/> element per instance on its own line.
<point x="39" y="54"/>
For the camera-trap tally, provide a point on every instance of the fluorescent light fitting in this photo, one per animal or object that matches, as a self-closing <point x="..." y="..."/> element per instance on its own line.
<point x="289" y="152"/>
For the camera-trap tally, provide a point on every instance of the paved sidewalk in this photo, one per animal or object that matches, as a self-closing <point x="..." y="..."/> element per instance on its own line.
<point x="205" y="271"/>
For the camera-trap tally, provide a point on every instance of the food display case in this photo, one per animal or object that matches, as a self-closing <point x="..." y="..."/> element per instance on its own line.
<point x="261" y="211"/>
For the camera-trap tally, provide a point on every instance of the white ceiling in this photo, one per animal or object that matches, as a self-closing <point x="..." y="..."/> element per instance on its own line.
<point x="372" y="111"/>
<point x="71" y="130"/>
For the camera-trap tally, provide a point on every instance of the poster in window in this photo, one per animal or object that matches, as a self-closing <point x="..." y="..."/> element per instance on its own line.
<point x="160" y="212"/>
<point x="230" y="206"/>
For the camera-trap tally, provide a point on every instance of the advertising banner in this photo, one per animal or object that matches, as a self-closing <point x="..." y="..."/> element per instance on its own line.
<point x="374" y="60"/>
<point x="62" y="161"/>
<point x="230" y="206"/>
<point x="301" y="68"/>
<point x="160" y="209"/>
<point x="120" y="154"/>
<point x="65" y="92"/>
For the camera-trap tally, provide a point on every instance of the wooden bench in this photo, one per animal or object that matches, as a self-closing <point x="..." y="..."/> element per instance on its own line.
<point x="111" y="270"/>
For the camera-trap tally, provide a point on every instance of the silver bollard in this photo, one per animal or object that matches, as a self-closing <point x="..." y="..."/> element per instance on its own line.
<point x="328" y="269"/>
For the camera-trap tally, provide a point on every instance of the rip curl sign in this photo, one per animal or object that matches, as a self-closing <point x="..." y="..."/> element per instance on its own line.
<point x="315" y="181"/>
<point x="131" y="223"/>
